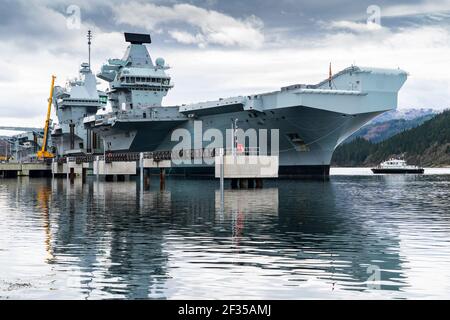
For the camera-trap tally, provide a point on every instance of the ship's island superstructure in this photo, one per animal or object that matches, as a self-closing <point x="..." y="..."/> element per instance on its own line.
<point x="79" y="99"/>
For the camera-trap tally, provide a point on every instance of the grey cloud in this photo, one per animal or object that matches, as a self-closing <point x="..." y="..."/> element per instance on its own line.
<point x="33" y="24"/>
<point x="28" y="26"/>
<point x="19" y="19"/>
<point x="17" y="110"/>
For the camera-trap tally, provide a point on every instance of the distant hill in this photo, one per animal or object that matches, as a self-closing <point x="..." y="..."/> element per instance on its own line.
<point x="404" y="114"/>
<point x="427" y="144"/>
<point x="382" y="130"/>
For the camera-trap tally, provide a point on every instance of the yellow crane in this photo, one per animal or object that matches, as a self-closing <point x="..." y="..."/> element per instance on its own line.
<point x="43" y="153"/>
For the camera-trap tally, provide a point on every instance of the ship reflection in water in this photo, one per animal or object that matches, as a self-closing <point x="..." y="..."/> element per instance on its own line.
<point x="351" y="237"/>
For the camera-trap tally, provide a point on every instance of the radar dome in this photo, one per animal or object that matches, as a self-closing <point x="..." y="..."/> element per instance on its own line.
<point x="160" y="62"/>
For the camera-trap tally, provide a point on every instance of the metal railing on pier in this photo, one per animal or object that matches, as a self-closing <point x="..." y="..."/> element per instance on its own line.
<point x="159" y="155"/>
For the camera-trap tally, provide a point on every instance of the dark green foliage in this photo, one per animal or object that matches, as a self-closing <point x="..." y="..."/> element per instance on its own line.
<point x="379" y="131"/>
<point x="427" y="144"/>
<point x="353" y="153"/>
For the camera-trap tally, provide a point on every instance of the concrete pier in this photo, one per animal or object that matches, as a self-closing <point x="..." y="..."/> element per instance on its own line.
<point x="103" y="168"/>
<point x="32" y="169"/>
<point x="70" y="167"/>
<point x="246" y="171"/>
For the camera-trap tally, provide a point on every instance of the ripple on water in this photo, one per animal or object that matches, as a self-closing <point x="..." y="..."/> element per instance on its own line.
<point x="351" y="237"/>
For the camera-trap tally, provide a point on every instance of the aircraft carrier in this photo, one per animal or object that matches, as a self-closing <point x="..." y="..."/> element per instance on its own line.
<point x="312" y="119"/>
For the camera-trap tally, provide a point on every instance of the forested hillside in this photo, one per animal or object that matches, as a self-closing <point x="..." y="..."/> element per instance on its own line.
<point x="426" y="145"/>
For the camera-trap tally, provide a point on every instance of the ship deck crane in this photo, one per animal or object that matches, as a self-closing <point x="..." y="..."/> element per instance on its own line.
<point x="43" y="153"/>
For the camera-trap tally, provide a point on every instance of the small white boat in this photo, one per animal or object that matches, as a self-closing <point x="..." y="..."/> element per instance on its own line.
<point x="397" y="166"/>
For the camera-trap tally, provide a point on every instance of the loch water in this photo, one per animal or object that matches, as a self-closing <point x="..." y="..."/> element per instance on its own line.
<point x="356" y="236"/>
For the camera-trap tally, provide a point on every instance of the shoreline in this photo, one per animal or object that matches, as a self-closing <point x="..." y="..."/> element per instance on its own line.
<point x="353" y="171"/>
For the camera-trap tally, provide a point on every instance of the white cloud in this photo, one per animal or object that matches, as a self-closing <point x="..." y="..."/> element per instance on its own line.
<point x="188" y="38"/>
<point x="212" y="27"/>
<point x="213" y="72"/>
<point x="410" y="9"/>
<point x="355" y="26"/>
<point x="24" y="86"/>
<point x="423" y="52"/>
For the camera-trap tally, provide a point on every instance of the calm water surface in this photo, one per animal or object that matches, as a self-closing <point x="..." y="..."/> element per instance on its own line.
<point x="357" y="236"/>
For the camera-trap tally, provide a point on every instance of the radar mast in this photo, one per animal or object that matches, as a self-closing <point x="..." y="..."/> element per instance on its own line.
<point x="89" y="37"/>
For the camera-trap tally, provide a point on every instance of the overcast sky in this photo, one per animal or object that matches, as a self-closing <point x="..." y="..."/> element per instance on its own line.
<point x="221" y="48"/>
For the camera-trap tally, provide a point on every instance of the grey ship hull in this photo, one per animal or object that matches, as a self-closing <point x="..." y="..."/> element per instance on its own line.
<point x="320" y="130"/>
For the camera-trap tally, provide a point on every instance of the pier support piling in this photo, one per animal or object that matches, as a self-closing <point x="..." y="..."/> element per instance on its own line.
<point x="259" y="183"/>
<point x="141" y="170"/>
<point x="146" y="179"/>
<point x="97" y="158"/>
<point x="71" y="175"/>
<point x="83" y="175"/>
<point x="243" y="183"/>
<point x="162" y="178"/>
<point x="222" y="178"/>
